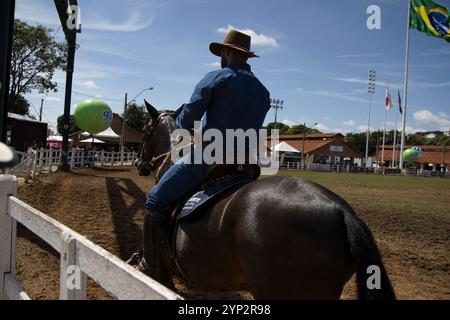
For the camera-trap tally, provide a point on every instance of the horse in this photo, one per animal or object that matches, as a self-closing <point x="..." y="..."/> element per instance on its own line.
<point x="280" y="237"/>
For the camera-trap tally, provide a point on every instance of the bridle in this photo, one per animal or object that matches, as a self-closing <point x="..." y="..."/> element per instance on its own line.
<point x="154" y="163"/>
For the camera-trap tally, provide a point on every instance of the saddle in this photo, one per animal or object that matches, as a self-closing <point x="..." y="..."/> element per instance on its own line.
<point x="220" y="181"/>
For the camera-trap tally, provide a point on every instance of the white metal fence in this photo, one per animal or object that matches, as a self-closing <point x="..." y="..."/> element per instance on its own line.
<point x="299" y="165"/>
<point x="76" y="253"/>
<point x="48" y="160"/>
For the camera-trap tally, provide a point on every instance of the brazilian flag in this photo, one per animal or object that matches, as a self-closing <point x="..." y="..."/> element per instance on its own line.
<point x="431" y="18"/>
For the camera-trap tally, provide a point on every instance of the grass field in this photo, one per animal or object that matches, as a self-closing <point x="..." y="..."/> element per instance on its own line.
<point x="430" y="196"/>
<point x="409" y="218"/>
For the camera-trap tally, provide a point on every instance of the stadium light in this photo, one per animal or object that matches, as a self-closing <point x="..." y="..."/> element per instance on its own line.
<point x="371" y="91"/>
<point x="276" y="104"/>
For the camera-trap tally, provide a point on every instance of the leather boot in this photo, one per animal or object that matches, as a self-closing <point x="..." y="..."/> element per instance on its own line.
<point x="152" y="263"/>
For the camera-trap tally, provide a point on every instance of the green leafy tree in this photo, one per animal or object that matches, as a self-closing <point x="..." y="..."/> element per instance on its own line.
<point x="441" y="140"/>
<point x="73" y="128"/>
<point x="21" y="105"/>
<point x="358" y="140"/>
<point x="280" y="126"/>
<point x="35" y="57"/>
<point x="136" y="117"/>
<point x="417" y="139"/>
<point x="300" y="129"/>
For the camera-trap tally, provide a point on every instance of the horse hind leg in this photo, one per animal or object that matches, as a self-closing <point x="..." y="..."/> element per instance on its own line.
<point x="295" y="282"/>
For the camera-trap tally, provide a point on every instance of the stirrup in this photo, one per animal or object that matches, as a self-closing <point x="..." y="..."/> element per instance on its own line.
<point x="148" y="270"/>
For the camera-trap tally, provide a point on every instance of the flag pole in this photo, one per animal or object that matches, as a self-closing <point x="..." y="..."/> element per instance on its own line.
<point x="405" y="87"/>
<point x="394" y="153"/>
<point x="385" y="122"/>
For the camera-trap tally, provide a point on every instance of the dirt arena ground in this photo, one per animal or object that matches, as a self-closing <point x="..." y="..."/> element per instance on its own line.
<point x="106" y="206"/>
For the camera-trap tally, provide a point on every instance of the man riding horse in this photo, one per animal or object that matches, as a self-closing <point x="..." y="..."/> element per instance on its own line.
<point x="230" y="98"/>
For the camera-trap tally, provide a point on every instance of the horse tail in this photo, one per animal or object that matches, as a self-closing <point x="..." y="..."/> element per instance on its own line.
<point x="364" y="249"/>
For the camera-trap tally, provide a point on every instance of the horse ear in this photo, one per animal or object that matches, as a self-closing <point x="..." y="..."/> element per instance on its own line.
<point x="177" y="113"/>
<point x="151" y="110"/>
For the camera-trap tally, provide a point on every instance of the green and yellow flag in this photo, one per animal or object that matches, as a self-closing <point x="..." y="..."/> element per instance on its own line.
<point x="431" y="18"/>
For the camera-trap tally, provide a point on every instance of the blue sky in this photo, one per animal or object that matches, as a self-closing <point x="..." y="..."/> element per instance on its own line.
<point x="314" y="54"/>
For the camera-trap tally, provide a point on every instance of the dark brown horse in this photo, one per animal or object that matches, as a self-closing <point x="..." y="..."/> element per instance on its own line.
<point x="279" y="237"/>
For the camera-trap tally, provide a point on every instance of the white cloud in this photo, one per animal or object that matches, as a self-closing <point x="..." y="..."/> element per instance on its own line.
<point x="53" y="98"/>
<point x="363" y="55"/>
<point x="136" y="21"/>
<point x="366" y="81"/>
<point x="430" y="85"/>
<point x="428" y="118"/>
<point x="410" y="130"/>
<point x="216" y="64"/>
<point x="284" y="70"/>
<point x="332" y="94"/>
<point x="89" y="84"/>
<point x="363" y="128"/>
<point x="288" y="122"/>
<point x="322" y="127"/>
<point x="390" y="126"/>
<point x="349" y="123"/>
<point x="258" y="40"/>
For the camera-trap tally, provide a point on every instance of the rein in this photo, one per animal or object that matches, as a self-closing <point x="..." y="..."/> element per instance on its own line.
<point x="153" y="164"/>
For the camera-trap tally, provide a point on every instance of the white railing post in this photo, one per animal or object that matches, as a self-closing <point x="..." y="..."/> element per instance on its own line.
<point x="8" y="187"/>
<point x="82" y="158"/>
<point x="41" y="159"/>
<point x="133" y="158"/>
<point x="35" y="160"/>
<point x="73" y="281"/>
<point x="72" y="158"/>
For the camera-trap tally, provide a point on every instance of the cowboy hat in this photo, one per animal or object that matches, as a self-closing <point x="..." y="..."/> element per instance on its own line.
<point x="235" y="40"/>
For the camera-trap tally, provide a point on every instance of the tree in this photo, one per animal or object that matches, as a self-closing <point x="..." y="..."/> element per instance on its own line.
<point x="20" y="106"/>
<point x="441" y="140"/>
<point x="35" y="57"/>
<point x="136" y="117"/>
<point x="280" y="126"/>
<point x="417" y="139"/>
<point x="73" y="128"/>
<point x="300" y="129"/>
<point x="358" y="140"/>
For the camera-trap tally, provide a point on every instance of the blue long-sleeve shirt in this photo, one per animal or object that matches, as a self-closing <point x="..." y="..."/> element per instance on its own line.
<point x="231" y="98"/>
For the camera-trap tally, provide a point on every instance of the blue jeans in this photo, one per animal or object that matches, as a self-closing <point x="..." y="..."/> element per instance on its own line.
<point x="177" y="183"/>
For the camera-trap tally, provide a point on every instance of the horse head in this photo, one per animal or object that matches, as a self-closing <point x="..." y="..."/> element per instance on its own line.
<point x="157" y="139"/>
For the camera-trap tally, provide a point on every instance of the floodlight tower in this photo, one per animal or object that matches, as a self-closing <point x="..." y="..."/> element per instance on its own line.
<point x="276" y="104"/>
<point x="371" y="91"/>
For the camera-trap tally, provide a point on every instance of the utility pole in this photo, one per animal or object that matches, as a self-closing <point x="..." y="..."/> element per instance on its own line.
<point x="122" y="138"/>
<point x="40" y="110"/>
<point x="6" y="32"/>
<point x="70" y="32"/>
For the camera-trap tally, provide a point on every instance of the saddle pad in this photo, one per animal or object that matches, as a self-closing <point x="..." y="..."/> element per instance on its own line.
<point x="206" y="197"/>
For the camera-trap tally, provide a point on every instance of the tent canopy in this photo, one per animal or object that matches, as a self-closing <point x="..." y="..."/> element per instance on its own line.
<point x="284" y="147"/>
<point x="108" y="134"/>
<point x="56" y="139"/>
<point x="91" y="140"/>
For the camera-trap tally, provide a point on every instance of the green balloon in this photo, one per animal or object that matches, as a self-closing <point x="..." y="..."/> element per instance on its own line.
<point x="410" y="155"/>
<point x="93" y="116"/>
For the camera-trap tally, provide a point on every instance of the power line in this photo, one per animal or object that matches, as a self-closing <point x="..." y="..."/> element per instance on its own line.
<point x="54" y="35"/>
<point x="37" y="113"/>
<point x="90" y="96"/>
